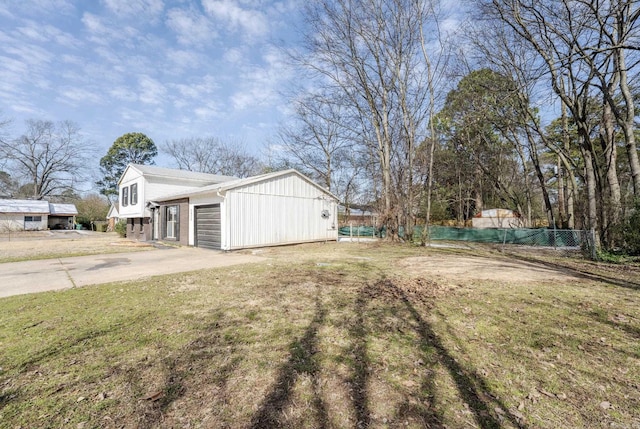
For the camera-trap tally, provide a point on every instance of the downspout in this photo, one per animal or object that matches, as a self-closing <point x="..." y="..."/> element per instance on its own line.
<point x="225" y="239"/>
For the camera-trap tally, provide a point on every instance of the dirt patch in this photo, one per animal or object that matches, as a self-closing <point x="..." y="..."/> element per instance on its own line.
<point x="477" y="268"/>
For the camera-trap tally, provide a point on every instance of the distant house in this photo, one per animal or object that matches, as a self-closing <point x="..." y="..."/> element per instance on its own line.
<point x="357" y="215"/>
<point x="113" y="216"/>
<point x="33" y="215"/>
<point x="271" y="209"/>
<point x="497" y="218"/>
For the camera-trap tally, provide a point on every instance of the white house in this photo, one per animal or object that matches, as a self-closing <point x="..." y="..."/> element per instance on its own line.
<point x="140" y="184"/>
<point x="32" y="215"/>
<point x="271" y="209"/>
<point x="113" y="216"/>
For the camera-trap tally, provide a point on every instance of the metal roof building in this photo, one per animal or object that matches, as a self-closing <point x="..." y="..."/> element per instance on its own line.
<point x="18" y="215"/>
<point x="283" y="207"/>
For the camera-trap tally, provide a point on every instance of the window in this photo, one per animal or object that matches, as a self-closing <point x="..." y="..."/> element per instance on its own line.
<point x="125" y="197"/>
<point x="172" y="222"/>
<point x="134" y="194"/>
<point x="33" y="218"/>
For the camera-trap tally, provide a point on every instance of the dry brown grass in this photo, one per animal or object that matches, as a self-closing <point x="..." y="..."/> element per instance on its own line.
<point x="32" y="245"/>
<point x="329" y="336"/>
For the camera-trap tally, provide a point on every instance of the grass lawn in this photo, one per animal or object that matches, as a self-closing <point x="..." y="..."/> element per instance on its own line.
<point x="37" y="245"/>
<point x="332" y="336"/>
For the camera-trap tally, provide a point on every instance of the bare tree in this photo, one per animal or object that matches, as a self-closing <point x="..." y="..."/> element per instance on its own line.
<point x="370" y="53"/>
<point x="48" y="158"/>
<point x="558" y="32"/>
<point x="316" y="139"/>
<point x="212" y="155"/>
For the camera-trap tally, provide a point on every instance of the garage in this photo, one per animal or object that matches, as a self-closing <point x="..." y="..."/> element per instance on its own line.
<point x="282" y="207"/>
<point x="207" y="222"/>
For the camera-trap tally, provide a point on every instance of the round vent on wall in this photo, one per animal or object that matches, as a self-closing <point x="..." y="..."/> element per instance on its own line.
<point x="325" y="214"/>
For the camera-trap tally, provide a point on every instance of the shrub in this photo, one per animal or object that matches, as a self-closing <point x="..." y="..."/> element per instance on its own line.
<point x="121" y="228"/>
<point x="630" y="231"/>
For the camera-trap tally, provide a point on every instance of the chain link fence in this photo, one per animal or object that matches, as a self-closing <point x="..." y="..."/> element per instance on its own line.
<point x="569" y="242"/>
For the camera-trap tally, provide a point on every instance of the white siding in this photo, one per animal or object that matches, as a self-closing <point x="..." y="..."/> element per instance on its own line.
<point x="150" y="189"/>
<point x="15" y="222"/>
<point x="284" y="210"/>
<point x="138" y="210"/>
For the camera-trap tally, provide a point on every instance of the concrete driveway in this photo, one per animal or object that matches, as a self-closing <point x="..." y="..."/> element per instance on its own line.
<point x="18" y="278"/>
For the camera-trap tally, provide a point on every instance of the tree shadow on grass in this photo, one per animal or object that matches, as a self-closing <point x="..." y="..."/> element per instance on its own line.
<point x="193" y="369"/>
<point x="471" y="387"/>
<point x="302" y="360"/>
<point x="581" y="273"/>
<point x="63" y="345"/>
<point x="360" y="362"/>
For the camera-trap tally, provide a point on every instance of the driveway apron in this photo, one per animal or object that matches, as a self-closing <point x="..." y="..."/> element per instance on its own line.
<point x="18" y="278"/>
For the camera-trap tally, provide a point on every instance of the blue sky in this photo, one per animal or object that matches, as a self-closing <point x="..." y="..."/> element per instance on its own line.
<point x="167" y="68"/>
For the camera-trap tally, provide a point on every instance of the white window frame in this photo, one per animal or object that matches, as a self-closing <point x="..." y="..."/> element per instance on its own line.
<point x="171" y="230"/>
<point x="133" y="194"/>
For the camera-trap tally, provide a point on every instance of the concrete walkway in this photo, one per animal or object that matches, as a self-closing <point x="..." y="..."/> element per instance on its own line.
<point x="18" y="278"/>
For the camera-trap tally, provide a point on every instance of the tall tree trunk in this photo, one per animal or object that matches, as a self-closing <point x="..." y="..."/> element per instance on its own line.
<point x="627" y="124"/>
<point x="566" y="142"/>
<point x="612" y="207"/>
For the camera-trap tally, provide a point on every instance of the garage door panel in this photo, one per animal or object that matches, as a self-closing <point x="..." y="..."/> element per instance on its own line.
<point x="208" y="233"/>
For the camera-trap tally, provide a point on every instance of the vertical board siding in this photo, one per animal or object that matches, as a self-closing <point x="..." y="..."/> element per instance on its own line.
<point x="284" y="210"/>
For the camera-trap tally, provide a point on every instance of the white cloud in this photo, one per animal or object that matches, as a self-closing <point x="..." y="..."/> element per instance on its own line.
<point x="203" y="88"/>
<point x="47" y="33"/>
<point x="151" y="90"/>
<point x="82" y="95"/>
<point x="250" y="22"/>
<point x="207" y="111"/>
<point x="104" y="32"/>
<point x="191" y="27"/>
<point x="183" y="59"/>
<point x="234" y="56"/>
<point x="122" y="93"/>
<point x="136" y="9"/>
<point x="260" y="84"/>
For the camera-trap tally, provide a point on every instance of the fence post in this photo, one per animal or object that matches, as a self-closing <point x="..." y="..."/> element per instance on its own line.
<point x="504" y="240"/>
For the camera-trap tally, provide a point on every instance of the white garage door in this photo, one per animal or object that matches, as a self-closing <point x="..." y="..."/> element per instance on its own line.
<point x="208" y="226"/>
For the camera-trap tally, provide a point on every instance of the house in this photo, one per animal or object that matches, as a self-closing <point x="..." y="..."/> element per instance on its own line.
<point x="277" y="208"/>
<point x="357" y="215"/>
<point x="113" y="216"/>
<point x="32" y="215"/>
<point x="497" y="218"/>
<point x="142" y="183"/>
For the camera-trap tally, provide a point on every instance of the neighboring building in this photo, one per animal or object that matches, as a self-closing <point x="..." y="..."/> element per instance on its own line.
<point x="142" y="183"/>
<point x="284" y="207"/>
<point x="497" y="218"/>
<point x="33" y="215"/>
<point x="113" y="216"/>
<point x="357" y="215"/>
<point x="62" y="216"/>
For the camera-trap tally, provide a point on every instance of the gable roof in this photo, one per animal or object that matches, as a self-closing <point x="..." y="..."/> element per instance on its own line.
<point x="238" y="183"/>
<point x="24" y="206"/>
<point x="63" y="209"/>
<point x="114" y="211"/>
<point x="174" y="173"/>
